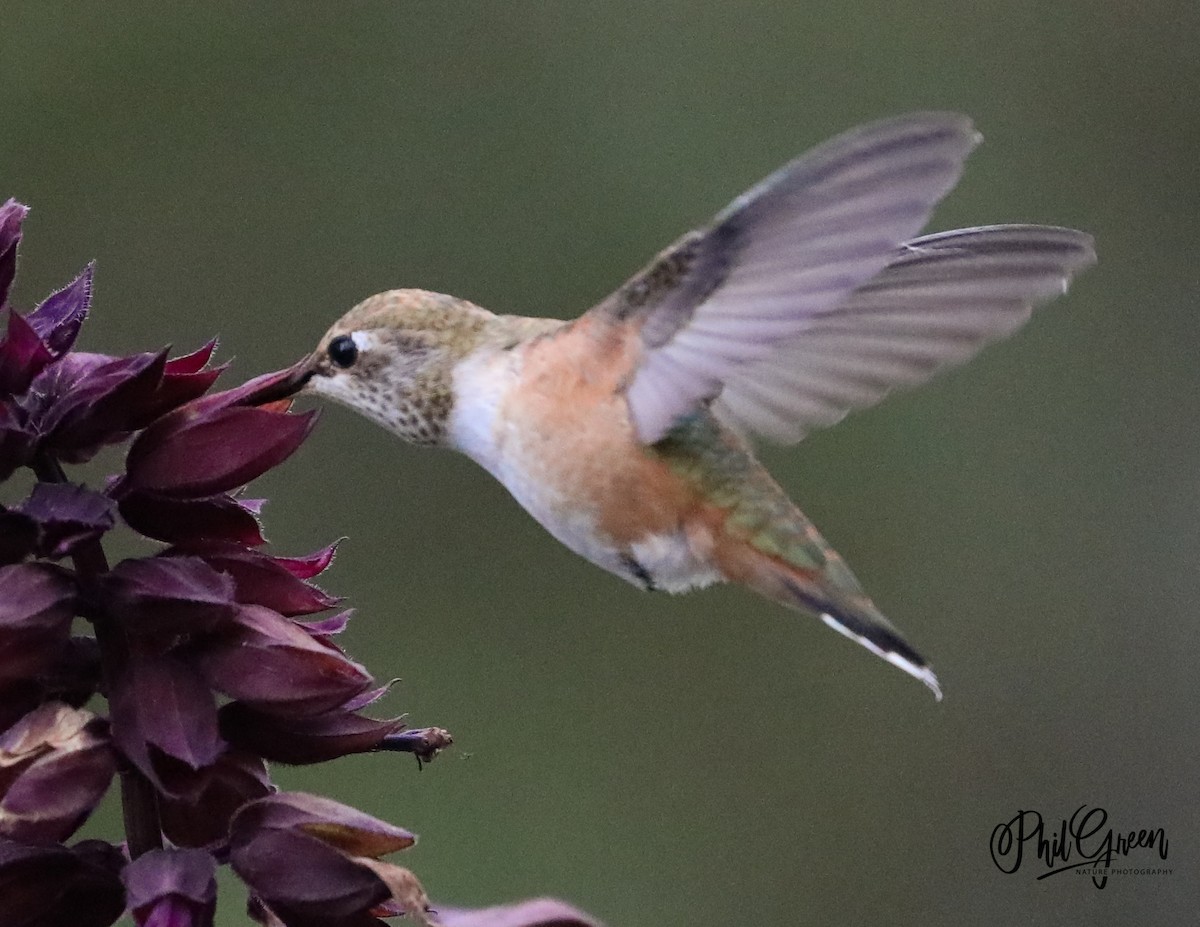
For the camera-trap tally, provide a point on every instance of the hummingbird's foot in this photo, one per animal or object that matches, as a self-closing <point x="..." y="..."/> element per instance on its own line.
<point x="640" y="573"/>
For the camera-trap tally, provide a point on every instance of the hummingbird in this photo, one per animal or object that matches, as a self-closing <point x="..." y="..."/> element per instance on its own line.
<point x="627" y="432"/>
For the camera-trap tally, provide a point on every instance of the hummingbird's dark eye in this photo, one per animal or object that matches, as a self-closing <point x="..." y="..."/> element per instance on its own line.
<point x="343" y="351"/>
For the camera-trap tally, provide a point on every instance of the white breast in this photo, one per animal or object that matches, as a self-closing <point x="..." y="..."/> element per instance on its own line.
<point x="481" y="383"/>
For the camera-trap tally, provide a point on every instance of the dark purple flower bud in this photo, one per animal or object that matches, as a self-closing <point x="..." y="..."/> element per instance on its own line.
<point x="218" y="518"/>
<point x="52" y="886"/>
<point x="191" y="364"/>
<point x="537" y="912"/>
<point x="62" y="516"/>
<point x="167" y="598"/>
<point x="86" y="401"/>
<point x="185" y="378"/>
<point x="172" y="888"/>
<point x="313" y="860"/>
<point x="331" y="626"/>
<point x="12" y="214"/>
<point x="164" y="720"/>
<point x="55" y="766"/>
<point x="270" y="391"/>
<point x="260" y="579"/>
<point x="310" y="566"/>
<point x="201" y="819"/>
<point x="299" y="741"/>
<point x="213" y="445"/>
<point x="36" y="609"/>
<point x="274" y="665"/>
<point x="60" y="316"/>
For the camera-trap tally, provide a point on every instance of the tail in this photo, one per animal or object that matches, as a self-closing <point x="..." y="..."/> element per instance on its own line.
<point x="870" y="628"/>
<point x="828" y="589"/>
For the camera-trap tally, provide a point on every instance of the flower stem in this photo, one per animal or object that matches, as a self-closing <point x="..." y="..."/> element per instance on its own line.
<point x="139" y="801"/>
<point x="425" y="743"/>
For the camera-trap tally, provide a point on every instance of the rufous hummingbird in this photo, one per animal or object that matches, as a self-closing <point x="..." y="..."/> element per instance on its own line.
<point x="625" y="432"/>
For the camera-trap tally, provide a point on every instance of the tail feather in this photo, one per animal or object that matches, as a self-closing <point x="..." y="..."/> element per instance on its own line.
<point x="757" y="537"/>
<point x="851" y="614"/>
<point x="884" y="642"/>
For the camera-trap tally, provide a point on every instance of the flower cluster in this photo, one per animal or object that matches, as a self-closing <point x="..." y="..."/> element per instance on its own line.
<point x="213" y="655"/>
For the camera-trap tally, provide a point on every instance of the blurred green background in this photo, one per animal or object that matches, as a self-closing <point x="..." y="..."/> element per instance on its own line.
<point x="1032" y="521"/>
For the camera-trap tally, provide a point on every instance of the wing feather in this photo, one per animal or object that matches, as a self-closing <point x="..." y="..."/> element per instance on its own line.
<point x="805" y="298"/>
<point x="942" y="299"/>
<point x="793" y="247"/>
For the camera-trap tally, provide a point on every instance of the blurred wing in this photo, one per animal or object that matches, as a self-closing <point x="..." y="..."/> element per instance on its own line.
<point x="936" y="304"/>
<point x="792" y="248"/>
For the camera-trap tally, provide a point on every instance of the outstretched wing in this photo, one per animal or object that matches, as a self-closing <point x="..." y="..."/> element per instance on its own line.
<point x="720" y="311"/>
<point x="940" y="300"/>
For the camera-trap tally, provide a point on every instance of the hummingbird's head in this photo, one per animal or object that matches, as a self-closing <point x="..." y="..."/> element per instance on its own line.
<point x="392" y="357"/>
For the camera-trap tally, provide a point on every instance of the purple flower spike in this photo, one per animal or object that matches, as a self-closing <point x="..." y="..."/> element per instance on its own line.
<point x="48" y="886"/>
<point x="210" y="619"/>
<point x="315" y="861"/>
<point x="36" y="608"/>
<point x="55" y="766"/>
<point x="172" y="888"/>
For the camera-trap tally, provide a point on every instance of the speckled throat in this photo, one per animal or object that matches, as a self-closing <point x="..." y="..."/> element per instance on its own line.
<point x="412" y="403"/>
<point x="409" y="342"/>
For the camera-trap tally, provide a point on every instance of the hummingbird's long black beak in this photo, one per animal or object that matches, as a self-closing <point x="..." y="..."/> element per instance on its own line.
<point x="289" y="381"/>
